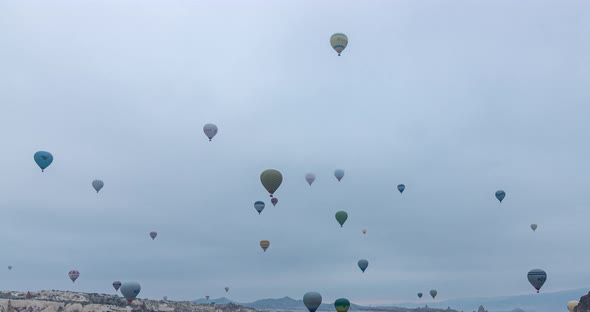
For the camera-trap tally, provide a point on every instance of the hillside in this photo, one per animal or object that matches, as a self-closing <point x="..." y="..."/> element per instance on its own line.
<point x="66" y="301"/>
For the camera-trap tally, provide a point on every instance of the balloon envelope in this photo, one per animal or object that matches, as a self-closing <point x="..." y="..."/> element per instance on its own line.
<point x="116" y="285"/>
<point x="274" y="201"/>
<point x="537" y="278"/>
<point x="500" y="195"/>
<point x="341" y="217"/>
<point x="271" y="180"/>
<point x="226" y="289"/>
<point x="130" y="290"/>
<point x="312" y="300"/>
<point x="364" y="231"/>
<point x="97" y="185"/>
<point x="43" y="159"/>
<point x="363" y="264"/>
<point x="153" y="235"/>
<point x="210" y="130"/>
<point x="339" y="41"/>
<point x="10" y="267"/>
<point x="342" y="305"/>
<point x="572" y="304"/>
<point x="419" y="295"/>
<point x="401" y="188"/>
<point x="264" y="244"/>
<point x="310" y="177"/>
<point x="259" y="206"/>
<point x="533" y="227"/>
<point x="339" y="174"/>
<point x="433" y="293"/>
<point x="74" y="274"/>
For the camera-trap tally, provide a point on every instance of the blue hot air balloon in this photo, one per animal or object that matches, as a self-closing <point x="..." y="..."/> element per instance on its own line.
<point x="401" y="188"/>
<point x="259" y="206"/>
<point x="537" y="278"/>
<point x="500" y="195"/>
<point x="43" y="159"/>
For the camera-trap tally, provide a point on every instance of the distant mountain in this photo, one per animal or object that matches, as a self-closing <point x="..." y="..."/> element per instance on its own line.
<point x="221" y="300"/>
<point x="290" y="304"/>
<point x="542" y="302"/>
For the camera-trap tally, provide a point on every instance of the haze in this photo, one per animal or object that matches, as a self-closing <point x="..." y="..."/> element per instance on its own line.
<point x="455" y="99"/>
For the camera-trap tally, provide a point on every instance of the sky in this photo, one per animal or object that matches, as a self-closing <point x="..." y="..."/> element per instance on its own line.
<point x="455" y="99"/>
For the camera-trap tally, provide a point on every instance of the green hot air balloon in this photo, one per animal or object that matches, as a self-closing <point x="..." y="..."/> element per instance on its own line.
<point x="312" y="300"/>
<point x="433" y="293"/>
<point x="341" y="217"/>
<point x="342" y="305"/>
<point x="363" y="264"/>
<point x="271" y="180"/>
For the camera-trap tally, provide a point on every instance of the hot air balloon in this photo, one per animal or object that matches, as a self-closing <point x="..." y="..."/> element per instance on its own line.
<point x="500" y="195"/>
<point x="153" y="235"/>
<point x="537" y="278"/>
<point x="10" y="267"/>
<point x="571" y="305"/>
<point x="363" y="264"/>
<point x="207" y="297"/>
<point x="210" y="130"/>
<point x="74" y="274"/>
<point x="264" y="244"/>
<point x="533" y="227"/>
<point x="312" y="300"/>
<point x="117" y="285"/>
<point x="43" y="159"/>
<point x="226" y="289"/>
<point x="401" y="188"/>
<point x="342" y="305"/>
<point x="433" y="293"/>
<point x="364" y="231"/>
<point x="341" y="217"/>
<point x="310" y="177"/>
<point x="130" y="290"/>
<point x="339" y="41"/>
<point x="271" y="180"/>
<point x="419" y="295"/>
<point x="259" y="206"/>
<point x="165" y="297"/>
<point x="339" y="174"/>
<point x="97" y="185"/>
<point x="274" y="201"/>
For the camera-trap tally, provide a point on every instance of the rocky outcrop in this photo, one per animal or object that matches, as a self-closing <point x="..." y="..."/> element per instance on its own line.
<point x="65" y="301"/>
<point x="584" y="305"/>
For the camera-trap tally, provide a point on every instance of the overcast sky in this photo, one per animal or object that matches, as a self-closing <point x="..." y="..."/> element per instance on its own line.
<point x="456" y="99"/>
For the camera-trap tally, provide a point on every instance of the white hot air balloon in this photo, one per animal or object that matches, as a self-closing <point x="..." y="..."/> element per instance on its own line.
<point x="210" y="130"/>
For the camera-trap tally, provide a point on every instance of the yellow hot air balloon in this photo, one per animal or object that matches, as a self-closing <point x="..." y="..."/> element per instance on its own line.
<point x="572" y="304"/>
<point x="264" y="244"/>
<point x="339" y="42"/>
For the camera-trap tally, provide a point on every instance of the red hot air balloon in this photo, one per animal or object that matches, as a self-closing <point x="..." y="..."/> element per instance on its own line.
<point x="116" y="285"/>
<point x="74" y="274"/>
<point x="274" y="201"/>
<point x="364" y="231"/>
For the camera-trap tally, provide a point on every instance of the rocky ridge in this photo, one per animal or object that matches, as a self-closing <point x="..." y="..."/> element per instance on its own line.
<point x="66" y="301"/>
